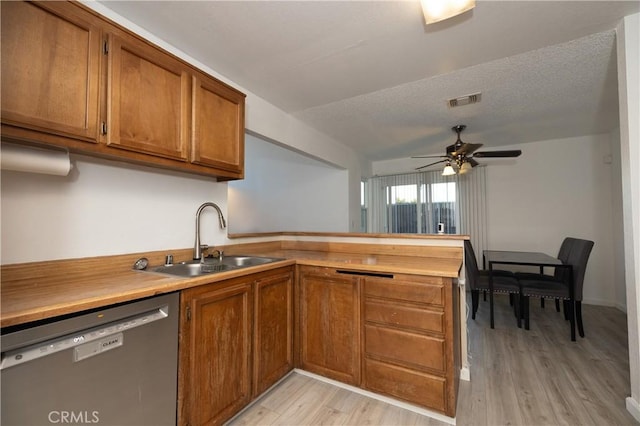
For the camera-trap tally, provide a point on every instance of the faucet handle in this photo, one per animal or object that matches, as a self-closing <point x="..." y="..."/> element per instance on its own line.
<point x="220" y="253"/>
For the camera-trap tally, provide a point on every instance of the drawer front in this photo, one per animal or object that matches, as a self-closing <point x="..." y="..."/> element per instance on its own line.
<point x="410" y="349"/>
<point x="412" y="386"/>
<point x="416" y="292"/>
<point x="393" y="313"/>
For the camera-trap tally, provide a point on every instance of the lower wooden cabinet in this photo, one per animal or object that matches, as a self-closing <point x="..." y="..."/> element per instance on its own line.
<point x="393" y="334"/>
<point x="411" y="349"/>
<point x="235" y="342"/>
<point x="273" y="329"/>
<point x="215" y="352"/>
<point x="329" y="325"/>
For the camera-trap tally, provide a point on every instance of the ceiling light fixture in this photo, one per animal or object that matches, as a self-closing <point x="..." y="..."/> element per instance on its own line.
<point x="439" y="10"/>
<point x="448" y="170"/>
<point x="465" y="167"/>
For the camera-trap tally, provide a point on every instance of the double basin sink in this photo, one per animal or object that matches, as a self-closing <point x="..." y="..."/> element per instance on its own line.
<point x="196" y="268"/>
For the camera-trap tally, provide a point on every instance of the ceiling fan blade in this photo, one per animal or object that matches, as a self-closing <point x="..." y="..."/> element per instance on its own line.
<point x="429" y="156"/>
<point x="464" y="149"/>
<point x="432" y="164"/>
<point x="472" y="162"/>
<point x="498" y="154"/>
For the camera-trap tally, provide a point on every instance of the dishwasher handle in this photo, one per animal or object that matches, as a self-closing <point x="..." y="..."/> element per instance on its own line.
<point x="87" y="343"/>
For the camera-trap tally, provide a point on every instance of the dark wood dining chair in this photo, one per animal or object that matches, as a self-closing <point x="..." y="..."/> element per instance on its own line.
<point x="563" y="255"/>
<point x="557" y="286"/>
<point x="478" y="280"/>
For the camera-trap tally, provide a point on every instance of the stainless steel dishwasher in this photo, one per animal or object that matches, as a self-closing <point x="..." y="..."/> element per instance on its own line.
<point x="112" y="366"/>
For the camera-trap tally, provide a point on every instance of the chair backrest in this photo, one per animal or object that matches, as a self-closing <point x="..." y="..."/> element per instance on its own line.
<point x="578" y="257"/>
<point x="471" y="265"/>
<point x="562" y="274"/>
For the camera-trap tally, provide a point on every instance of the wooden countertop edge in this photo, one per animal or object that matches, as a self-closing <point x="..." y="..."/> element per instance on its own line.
<point x="155" y="284"/>
<point x="350" y="235"/>
<point x="128" y="285"/>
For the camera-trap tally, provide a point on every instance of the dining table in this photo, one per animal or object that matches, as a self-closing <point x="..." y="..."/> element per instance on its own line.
<point x="490" y="258"/>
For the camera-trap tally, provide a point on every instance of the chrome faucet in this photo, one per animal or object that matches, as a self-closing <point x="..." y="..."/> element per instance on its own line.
<point x="197" y="248"/>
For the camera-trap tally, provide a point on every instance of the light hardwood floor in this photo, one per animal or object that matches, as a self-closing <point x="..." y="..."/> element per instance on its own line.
<point x="518" y="377"/>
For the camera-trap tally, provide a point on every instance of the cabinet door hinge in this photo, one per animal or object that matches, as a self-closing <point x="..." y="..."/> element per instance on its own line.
<point x="105" y="47"/>
<point x="103" y="128"/>
<point x="188" y="313"/>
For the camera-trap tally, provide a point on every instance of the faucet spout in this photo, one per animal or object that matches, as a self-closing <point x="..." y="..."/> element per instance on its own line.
<point x="197" y="248"/>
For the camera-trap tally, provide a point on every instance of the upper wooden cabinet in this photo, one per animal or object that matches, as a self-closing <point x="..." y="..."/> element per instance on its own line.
<point x="50" y="70"/>
<point x="217" y="137"/>
<point x="148" y="100"/>
<point x="70" y="76"/>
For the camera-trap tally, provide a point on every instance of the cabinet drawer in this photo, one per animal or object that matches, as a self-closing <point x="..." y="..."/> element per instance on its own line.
<point x="380" y="311"/>
<point x="413" y="350"/>
<point x="417" y="292"/>
<point x="413" y="386"/>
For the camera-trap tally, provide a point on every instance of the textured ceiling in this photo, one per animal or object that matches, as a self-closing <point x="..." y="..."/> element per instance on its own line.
<point x="374" y="77"/>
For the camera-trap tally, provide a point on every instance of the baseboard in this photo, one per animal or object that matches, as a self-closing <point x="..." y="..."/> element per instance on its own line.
<point x="258" y="399"/>
<point x="465" y="374"/>
<point x="607" y="303"/>
<point x="633" y="407"/>
<point x="621" y="307"/>
<point x="388" y="400"/>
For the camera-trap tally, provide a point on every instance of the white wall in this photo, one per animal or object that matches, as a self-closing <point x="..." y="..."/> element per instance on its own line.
<point x="555" y="189"/>
<point x="286" y="191"/>
<point x="271" y="123"/>
<point x="104" y="208"/>
<point x="628" y="49"/>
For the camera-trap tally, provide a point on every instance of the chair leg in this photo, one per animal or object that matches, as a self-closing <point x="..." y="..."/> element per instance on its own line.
<point x="565" y="307"/>
<point x="542" y="302"/>
<point x="475" y="296"/>
<point x="484" y="295"/>
<point x="557" y="305"/>
<point x="525" y="311"/>
<point x="572" y="319"/>
<point x="517" y="308"/>
<point x="491" y="308"/>
<point x="510" y="299"/>
<point x="579" y="318"/>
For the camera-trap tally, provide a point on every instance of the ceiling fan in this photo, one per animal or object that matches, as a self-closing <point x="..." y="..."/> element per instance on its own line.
<point x="462" y="155"/>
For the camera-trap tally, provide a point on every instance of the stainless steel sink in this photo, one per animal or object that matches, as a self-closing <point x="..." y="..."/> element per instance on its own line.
<point x="196" y="268"/>
<point x="246" y="261"/>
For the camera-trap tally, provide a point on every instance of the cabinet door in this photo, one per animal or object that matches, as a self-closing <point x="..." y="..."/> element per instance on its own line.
<point x="148" y="100"/>
<point x="273" y="330"/>
<point x="50" y="70"/>
<point x="215" y="352"/>
<point x="330" y="324"/>
<point x="217" y="139"/>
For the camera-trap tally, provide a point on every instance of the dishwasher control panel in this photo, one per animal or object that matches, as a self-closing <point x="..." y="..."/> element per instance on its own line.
<point x="86" y="343"/>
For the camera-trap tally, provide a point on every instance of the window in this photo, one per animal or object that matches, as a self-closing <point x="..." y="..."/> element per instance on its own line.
<point x="363" y="206"/>
<point x="414" y="203"/>
<point x="402" y="212"/>
<point x="442" y="207"/>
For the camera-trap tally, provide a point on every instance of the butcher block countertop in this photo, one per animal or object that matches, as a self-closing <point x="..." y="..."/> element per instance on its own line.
<point x="42" y="290"/>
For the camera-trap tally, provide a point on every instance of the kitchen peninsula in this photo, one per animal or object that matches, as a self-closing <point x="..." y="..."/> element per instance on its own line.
<point x="378" y="312"/>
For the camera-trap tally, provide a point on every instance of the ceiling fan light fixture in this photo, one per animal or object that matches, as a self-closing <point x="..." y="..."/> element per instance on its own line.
<point x="448" y="170"/>
<point x="439" y="10"/>
<point x="465" y="167"/>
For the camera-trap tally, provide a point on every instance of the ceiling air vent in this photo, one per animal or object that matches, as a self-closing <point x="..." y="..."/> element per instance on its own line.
<point x="464" y="100"/>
